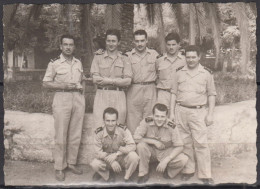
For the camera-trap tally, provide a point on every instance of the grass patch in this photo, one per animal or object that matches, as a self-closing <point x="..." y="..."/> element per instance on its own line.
<point x="29" y="96"/>
<point x="233" y="88"/>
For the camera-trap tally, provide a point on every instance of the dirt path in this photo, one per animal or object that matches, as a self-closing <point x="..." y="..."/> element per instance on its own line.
<point x="238" y="169"/>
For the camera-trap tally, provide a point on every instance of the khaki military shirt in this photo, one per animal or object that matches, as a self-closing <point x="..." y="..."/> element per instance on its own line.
<point x="122" y="141"/>
<point x="60" y="70"/>
<point x="143" y="66"/>
<point x="193" y="90"/>
<point x="166" y="134"/>
<point x="167" y="70"/>
<point x="106" y="66"/>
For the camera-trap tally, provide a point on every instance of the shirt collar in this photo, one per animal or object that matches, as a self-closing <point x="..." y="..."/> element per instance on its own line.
<point x="105" y="134"/>
<point x="178" y="57"/>
<point x="63" y="59"/>
<point x="147" y="50"/>
<point x="118" y="54"/>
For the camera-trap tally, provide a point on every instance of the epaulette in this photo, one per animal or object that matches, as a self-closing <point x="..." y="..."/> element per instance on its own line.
<point x="125" y="54"/>
<point x="171" y="124"/>
<point x="52" y="60"/>
<point x="179" y="68"/>
<point x="122" y="126"/>
<point x="148" y="119"/>
<point x="159" y="56"/>
<point x="209" y="70"/>
<point x="98" y="130"/>
<point x="99" y="52"/>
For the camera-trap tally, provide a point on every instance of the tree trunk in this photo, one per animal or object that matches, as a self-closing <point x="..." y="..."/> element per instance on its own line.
<point x="215" y="29"/>
<point x="161" y="30"/>
<point x="127" y="23"/>
<point x="192" y="26"/>
<point x="87" y="43"/>
<point x="240" y="10"/>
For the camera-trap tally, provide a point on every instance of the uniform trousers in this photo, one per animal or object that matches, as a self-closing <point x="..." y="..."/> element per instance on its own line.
<point x="68" y="112"/>
<point x="164" y="97"/>
<point x="193" y="130"/>
<point x="128" y="161"/>
<point x="147" y="152"/>
<point x="109" y="98"/>
<point x="140" y="102"/>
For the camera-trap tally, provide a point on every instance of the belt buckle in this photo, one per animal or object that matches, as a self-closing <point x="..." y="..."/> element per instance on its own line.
<point x="198" y="107"/>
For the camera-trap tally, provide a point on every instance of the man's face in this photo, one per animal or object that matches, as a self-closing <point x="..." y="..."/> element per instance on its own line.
<point x="112" y="43"/>
<point x="140" y="43"/>
<point x="110" y="122"/>
<point x="172" y="47"/>
<point x="67" y="46"/>
<point x="159" y="117"/>
<point x="192" y="59"/>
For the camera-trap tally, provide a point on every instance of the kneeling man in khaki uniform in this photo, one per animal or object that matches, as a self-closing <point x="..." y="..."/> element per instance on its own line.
<point x="115" y="148"/>
<point x="157" y="137"/>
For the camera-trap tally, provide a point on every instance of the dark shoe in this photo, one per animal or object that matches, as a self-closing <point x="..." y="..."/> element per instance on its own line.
<point x="59" y="175"/>
<point x="186" y="177"/>
<point x="207" y="181"/>
<point x="165" y="175"/>
<point x="74" y="169"/>
<point x="143" y="179"/>
<point x="112" y="177"/>
<point x="96" y="177"/>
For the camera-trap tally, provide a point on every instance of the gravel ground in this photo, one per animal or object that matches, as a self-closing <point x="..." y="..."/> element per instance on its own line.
<point x="237" y="169"/>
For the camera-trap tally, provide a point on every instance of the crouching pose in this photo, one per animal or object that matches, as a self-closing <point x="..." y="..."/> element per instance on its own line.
<point x="115" y="149"/>
<point x="157" y="137"/>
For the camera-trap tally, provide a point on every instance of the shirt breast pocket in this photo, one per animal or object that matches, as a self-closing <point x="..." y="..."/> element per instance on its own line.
<point x="164" y="73"/>
<point x="62" y="71"/>
<point x="201" y="86"/>
<point x="118" y="70"/>
<point x="104" y="69"/>
<point x="151" y="66"/>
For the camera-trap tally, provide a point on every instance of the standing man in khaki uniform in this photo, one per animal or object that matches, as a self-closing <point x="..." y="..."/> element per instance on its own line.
<point x="157" y="137"/>
<point x="166" y="65"/>
<point x="141" y="95"/>
<point x="115" y="148"/>
<point x="112" y="73"/>
<point x="64" y="75"/>
<point x="192" y="90"/>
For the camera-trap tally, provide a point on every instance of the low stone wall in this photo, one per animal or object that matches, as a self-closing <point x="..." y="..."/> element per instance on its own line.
<point x="29" y="136"/>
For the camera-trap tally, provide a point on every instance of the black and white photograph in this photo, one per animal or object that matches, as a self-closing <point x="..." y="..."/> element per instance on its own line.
<point x="133" y="94"/>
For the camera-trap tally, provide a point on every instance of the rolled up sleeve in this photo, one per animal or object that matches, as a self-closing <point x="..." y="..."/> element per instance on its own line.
<point x="140" y="131"/>
<point x="211" y="86"/>
<point x="94" y="70"/>
<point x="128" y="73"/>
<point x="50" y="73"/>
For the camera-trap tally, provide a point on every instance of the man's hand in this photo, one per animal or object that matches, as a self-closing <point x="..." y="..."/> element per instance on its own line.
<point x="209" y="119"/>
<point x="116" y="167"/>
<point x="102" y="166"/>
<point x="110" y="158"/>
<point x="159" y="145"/>
<point x="162" y="166"/>
<point x="105" y="81"/>
<point x="70" y="86"/>
<point x="172" y="117"/>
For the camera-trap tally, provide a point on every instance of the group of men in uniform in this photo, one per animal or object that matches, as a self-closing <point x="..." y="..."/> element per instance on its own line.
<point x="147" y="107"/>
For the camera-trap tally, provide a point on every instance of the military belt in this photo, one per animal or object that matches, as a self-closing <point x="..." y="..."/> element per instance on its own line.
<point x="144" y="83"/>
<point x="168" y="90"/>
<point x="111" y="88"/>
<point x="69" y="90"/>
<point x="192" y="107"/>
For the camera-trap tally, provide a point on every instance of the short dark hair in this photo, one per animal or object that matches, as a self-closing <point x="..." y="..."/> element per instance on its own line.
<point x="160" y="107"/>
<point x="110" y="110"/>
<point x="140" y="32"/>
<point x="192" y="48"/>
<point x="68" y="36"/>
<point x="113" y="32"/>
<point x="172" y="36"/>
